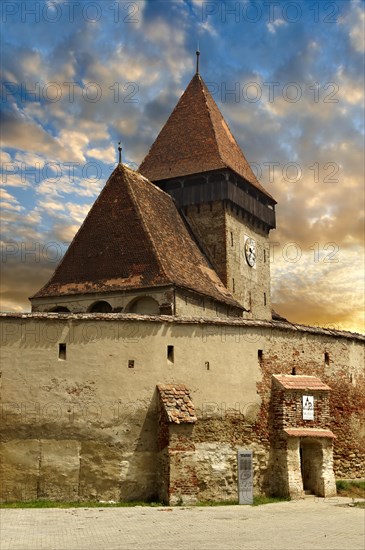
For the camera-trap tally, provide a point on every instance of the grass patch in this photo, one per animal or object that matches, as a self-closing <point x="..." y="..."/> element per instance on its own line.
<point x="216" y="503"/>
<point x="359" y="504"/>
<point x="351" y="488"/>
<point x="76" y="504"/>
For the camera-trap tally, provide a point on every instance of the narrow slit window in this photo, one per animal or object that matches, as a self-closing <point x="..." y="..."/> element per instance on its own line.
<point x="62" y="352"/>
<point x="326" y="358"/>
<point x="265" y="299"/>
<point x="264" y="256"/>
<point x="260" y="354"/>
<point x="170" y="353"/>
<point x="231" y="238"/>
<point x="233" y="287"/>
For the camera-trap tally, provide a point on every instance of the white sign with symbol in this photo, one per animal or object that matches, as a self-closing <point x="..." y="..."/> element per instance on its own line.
<point x="308" y="407"/>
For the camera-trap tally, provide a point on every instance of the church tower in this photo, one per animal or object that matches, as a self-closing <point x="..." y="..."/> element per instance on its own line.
<point x="197" y="160"/>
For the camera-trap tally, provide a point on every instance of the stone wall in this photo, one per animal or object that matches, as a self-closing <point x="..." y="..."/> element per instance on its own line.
<point x="86" y="426"/>
<point x="343" y="370"/>
<point x="209" y="225"/>
<point x="251" y="284"/>
<point x="222" y="231"/>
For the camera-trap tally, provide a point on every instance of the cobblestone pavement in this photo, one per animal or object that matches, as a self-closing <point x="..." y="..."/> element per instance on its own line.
<point x="321" y="524"/>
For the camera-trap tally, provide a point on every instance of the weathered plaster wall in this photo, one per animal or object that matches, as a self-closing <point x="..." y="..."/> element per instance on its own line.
<point x="87" y="426"/>
<point x="189" y="304"/>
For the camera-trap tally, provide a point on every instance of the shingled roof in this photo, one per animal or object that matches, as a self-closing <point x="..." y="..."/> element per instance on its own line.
<point x="309" y="432"/>
<point x="195" y="139"/>
<point x="300" y="382"/>
<point x="177" y="403"/>
<point x="134" y="237"/>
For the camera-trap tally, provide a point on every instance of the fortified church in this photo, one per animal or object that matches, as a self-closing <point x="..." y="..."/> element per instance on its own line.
<point x="152" y="357"/>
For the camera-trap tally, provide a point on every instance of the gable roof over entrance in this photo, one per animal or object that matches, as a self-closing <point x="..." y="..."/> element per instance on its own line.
<point x="134" y="237"/>
<point x="300" y="382"/>
<point x="196" y="139"/>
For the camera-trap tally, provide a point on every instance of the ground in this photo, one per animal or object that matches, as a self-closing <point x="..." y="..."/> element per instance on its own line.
<point x="309" y="524"/>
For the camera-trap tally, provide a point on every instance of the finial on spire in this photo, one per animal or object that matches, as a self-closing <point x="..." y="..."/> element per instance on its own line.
<point x="197" y="58"/>
<point x="120" y="152"/>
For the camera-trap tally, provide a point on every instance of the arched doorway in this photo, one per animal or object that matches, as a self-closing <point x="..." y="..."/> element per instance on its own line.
<point x="144" y="306"/>
<point x="311" y="466"/>
<point x="101" y="307"/>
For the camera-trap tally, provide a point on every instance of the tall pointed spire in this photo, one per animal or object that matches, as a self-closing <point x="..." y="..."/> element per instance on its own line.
<point x="196" y="139"/>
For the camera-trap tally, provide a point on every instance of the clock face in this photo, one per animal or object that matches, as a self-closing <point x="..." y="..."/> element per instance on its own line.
<point x="250" y="251"/>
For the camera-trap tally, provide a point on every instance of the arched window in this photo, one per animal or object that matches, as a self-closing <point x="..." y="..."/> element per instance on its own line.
<point x="101" y="307"/>
<point x="59" y="309"/>
<point x="144" y="306"/>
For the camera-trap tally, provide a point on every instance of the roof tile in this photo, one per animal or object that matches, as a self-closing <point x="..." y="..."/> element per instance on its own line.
<point x="177" y="403"/>
<point x="300" y="382"/>
<point x="309" y="432"/>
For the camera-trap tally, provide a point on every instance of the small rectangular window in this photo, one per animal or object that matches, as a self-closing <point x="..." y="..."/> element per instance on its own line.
<point x="62" y="352"/>
<point x="326" y="358"/>
<point x="170" y="353"/>
<point x="131" y="363"/>
<point x="260" y="354"/>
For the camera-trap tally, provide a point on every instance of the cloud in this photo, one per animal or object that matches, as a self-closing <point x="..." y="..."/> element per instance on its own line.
<point x="106" y="155"/>
<point x="354" y="21"/>
<point x="351" y="88"/>
<point x="274" y="25"/>
<point x="9" y="202"/>
<point x="150" y="62"/>
<point x="20" y="133"/>
<point x="307" y="281"/>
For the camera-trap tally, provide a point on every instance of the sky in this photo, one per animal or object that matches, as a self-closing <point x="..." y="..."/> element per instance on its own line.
<point x="78" y="76"/>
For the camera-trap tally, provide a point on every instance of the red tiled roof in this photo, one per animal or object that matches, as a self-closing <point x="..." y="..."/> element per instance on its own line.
<point x="133" y="237"/>
<point x="195" y="139"/>
<point x="177" y="403"/>
<point x="309" y="432"/>
<point x="300" y="382"/>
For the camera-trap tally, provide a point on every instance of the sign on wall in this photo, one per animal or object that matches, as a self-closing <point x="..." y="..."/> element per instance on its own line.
<point x="245" y="477"/>
<point x="308" y="407"/>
